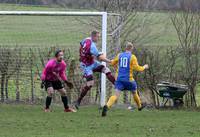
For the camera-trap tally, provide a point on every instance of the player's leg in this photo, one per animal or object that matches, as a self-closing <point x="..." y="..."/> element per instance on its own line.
<point x="118" y="88"/>
<point x="101" y="68"/>
<point x="64" y="99"/>
<point x="110" y="102"/>
<point x="85" y="89"/>
<point x="136" y="97"/>
<point x="50" y="91"/>
<point x="88" y="74"/>
<point x="138" y="101"/>
<point x="109" y="75"/>
<point x="113" y="98"/>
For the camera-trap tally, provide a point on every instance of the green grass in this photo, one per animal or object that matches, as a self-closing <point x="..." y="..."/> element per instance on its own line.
<point x="29" y="31"/>
<point x="51" y="31"/>
<point x="40" y="31"/>
<point x="23" y="7"/>
<point x="5" y="6"/>
<point x="31" y="121"/>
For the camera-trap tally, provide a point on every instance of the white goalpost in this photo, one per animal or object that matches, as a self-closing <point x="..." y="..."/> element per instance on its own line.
<point x="65" y="13"/>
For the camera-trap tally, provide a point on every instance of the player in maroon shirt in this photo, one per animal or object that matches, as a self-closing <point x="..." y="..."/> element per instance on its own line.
<point x="89" y="65"/>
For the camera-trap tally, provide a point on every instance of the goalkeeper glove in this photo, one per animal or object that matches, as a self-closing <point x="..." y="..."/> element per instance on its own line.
<point x="42" y="84"/>
<point x="69" y="84"/>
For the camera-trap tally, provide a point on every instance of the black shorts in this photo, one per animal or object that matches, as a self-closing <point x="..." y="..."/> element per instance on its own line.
<point x="56" y="85"/>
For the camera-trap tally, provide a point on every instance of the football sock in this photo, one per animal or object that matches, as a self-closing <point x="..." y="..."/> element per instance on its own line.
<point x="65" y="101"/>
<point x="83" y="93"/>
<point x="48" y="102"/>
<point x="137" y="100"/>
<point x="111" y="101"/>
<point x="110" y="77"/>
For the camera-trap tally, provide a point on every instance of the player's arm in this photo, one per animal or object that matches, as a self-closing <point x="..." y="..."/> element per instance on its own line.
<point x="136" y="66"/>
<point x="43" y="77"/>
<point x="115" y="61"/>
<point x="64" y="77"/>
<point x="46" y="69"/>
<point x="101" y="56"/>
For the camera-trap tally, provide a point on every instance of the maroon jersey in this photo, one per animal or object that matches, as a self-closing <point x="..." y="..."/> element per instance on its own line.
<point x="86" y="56"/>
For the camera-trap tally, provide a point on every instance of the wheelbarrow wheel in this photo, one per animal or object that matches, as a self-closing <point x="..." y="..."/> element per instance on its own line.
<point x="178" y="102"/>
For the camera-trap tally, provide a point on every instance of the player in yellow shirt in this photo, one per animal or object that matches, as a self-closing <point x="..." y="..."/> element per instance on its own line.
<point x="126" y="63"/>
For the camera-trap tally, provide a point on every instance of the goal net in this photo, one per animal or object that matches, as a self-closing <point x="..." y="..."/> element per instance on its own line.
<point x="28" y="40"/>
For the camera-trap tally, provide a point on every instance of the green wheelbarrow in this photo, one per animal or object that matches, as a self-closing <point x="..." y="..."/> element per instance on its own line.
<point x="171" y="91"/>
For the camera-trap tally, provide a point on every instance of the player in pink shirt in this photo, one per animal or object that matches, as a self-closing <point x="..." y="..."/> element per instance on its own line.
<point x="52" y="77"/>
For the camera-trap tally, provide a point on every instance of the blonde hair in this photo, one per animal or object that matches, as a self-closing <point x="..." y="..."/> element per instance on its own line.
<point x="129" y="46"/>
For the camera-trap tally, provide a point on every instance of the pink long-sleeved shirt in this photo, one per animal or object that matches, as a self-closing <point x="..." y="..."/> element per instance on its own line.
<point x="54" y="71"/>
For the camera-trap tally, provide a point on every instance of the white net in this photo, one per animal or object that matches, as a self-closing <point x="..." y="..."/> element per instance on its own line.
<point x="28" y="42"/>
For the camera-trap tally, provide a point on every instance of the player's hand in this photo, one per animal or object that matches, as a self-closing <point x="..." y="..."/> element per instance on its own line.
<point x="42" y="84"/>
<point x="146" y="66"/>
<point x="69" y="84"/>
<point x="102" y="57"/>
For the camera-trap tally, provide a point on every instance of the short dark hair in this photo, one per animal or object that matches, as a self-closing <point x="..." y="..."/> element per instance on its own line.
<point x="94" y="32"/>
<point x="57" y="52"/>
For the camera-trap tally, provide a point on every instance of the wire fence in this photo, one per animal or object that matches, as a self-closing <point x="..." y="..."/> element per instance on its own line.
<point x="20" y="73"/>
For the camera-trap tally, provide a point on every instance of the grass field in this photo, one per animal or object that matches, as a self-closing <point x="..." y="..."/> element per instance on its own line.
<point x="29" y="31"/>
<point x="48" y="31"/>
<point x="31" y="121"/>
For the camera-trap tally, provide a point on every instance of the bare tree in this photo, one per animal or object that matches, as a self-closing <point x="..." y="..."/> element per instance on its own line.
<point x="162" y="67"/>
<point x="9" y="66"/>
<point x="187" y="25"/>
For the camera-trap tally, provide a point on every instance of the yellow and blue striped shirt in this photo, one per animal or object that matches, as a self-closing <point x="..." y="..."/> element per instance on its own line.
<point x="126" y="63"/>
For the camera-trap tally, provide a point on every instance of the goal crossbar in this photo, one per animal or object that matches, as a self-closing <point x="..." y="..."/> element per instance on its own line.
<point x="52" y="13"/>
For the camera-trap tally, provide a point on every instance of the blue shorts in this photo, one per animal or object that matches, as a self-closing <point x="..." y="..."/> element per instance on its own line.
<point x="126" y="85"/>
<point x="88" y="70"/>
